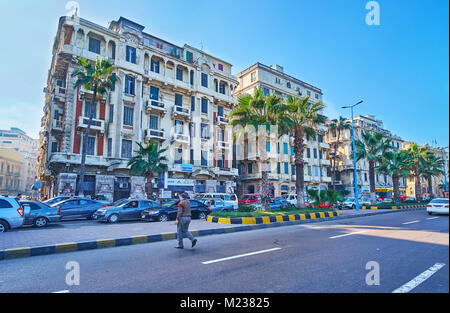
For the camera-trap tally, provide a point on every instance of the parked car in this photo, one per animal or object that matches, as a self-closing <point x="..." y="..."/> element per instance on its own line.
<point x="125" y="209"/>
<point x="250" y="198"/>
<point x="78" y="208"/>
<point x="228" y="198"/>
<point x="39" y="214"/>
<point x="168" y="211"/>
<point x="292" y="199"/>
<point x="11" y="214"/>
<point x="102" y="199"/>
<point x="52" y="201"/>
<point x="217" y="204"/>
<point x="438" y="205"/>
<point x="409" y="199"/>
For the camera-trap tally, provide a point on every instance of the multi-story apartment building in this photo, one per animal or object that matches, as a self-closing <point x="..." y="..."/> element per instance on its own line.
<point x="19" y="141"/>
<point x="344" y="157"/>
<point x="11" y="163"/>
<point x="281" y="150"/>
<point x="176" y="96"/>
<point x="437" y="182"/>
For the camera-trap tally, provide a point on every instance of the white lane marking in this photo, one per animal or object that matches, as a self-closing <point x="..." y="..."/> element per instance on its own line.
<point x="432" y="218"/>
<point x="419" y="279"/>
<point x="358" y="232"/>
<point x="416" y="221"/>
<point x="61" y="291"/>
<point x="240" y="256"/>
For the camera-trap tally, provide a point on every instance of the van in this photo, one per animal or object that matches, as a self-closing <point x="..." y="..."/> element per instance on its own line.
<point x="228" y="198"/>
<point x="250" y="198"/>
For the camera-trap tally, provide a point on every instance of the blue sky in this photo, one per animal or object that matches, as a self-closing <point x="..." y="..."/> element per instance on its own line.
<point x="400" y="68"/>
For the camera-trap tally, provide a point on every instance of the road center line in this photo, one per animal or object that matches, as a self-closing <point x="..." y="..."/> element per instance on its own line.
<point x="358" y="232"/>
<point x="432" y="218"/>
<point x="419" y="279"/>
<point x="416" y="221"/>
<point x="240" y="256"/>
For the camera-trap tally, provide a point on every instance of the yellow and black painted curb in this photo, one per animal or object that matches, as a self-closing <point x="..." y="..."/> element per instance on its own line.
<point x="394" y="207"/>
<point x="271" y="219"/>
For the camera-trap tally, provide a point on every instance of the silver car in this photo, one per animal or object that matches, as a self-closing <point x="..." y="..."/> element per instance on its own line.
<point x="39" y="214"/>
<point x="11" y="214"/>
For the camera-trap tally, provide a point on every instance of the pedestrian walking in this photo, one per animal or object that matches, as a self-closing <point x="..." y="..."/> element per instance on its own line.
<point x="183" y="220"/>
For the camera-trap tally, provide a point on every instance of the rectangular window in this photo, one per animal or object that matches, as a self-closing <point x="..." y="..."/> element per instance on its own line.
<point x="204" y="155"/>
<point x="193" y="103"/>
<point x="204" y="131"/>
<point x="179" y="127"/>
<point x="179" y="156"/>
<point x="277" y="80"/>
<point x="309" y="170"/>
<point x="278" y="168"/>
<point x="90" y="146"/>
<point x="220" y="66"/>
<point x="222" y="89"/>
<point x="268" y="146"/>
<point x="315" y="153"/>
<point x="178" y="100"/>
<point x="128" y="116"/>
<point x="90" y="109"/>
<point x="320" y="138"/>
<point x="189" y="57"/>
<point x="285" y="148"/>
<point x="220" y="110"/>
<point x="129" y="85"/>
<point x="111" y="113"/>
<point x="153" y="122"/>
<point x="94" y="45"/>
<point x="288" y="84"/>
<point x="286" y="168"/>
<point x="308" y="93"/>
<point x="205" y="105"/>
<point x="320" y="154"/>
<point x="317" y="96"/>
<point x="316" y="171"/>
<point x="54" y="146"/>
<point x="154" y="66"/>
<point x="253" y="77"/>
<point x="131" y="55"/>
<point x="250" y="168"/>
<point x="192" y="78"/>
<point x="308" y="153"/>
<point x="179" y="74"/>
<point x="204" y="80"/>
<point x="109" y="147"/>
<point x="191" y="157"/>
<point x="293" y="169"/>
<point x="292" y="150"/>
<point x="265" y="92"/>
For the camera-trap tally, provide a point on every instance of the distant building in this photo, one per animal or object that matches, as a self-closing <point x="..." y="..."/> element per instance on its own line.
<point x="27" y="147"/>
<point x="11" y="163"/>
<point x="282" y="178"/>
<point x="344" y="158"/>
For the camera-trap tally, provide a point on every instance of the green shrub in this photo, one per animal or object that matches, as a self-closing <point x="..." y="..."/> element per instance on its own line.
<point x="246" y="208"/>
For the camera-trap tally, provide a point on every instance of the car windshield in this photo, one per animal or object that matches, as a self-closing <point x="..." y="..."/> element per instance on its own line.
<point x="120" y="202"/>
<point x="169" y="203"/>
<point x="57" y="203"/>
<point x="350" y="199"/>
<point x="439" y="201"/>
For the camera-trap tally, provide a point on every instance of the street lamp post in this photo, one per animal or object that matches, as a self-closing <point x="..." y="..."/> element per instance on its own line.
<point x="443" y="165"/>
<point x="354" y="155"/>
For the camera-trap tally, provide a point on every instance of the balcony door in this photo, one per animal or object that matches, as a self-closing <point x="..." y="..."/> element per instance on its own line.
<point x="154" y="95"/>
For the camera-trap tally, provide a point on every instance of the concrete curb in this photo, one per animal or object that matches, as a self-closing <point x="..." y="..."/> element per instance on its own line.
<point x="271" y="219"/>
<point x="393" y="207"/>
<point x="117" y="242"/>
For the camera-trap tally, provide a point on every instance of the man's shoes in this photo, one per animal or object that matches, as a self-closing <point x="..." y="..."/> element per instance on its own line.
<point x="178" y="247"/>
<point x="194" y="242"/>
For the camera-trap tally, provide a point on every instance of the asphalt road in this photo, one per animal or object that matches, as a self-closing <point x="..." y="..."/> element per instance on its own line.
<point x="409" y="247"/>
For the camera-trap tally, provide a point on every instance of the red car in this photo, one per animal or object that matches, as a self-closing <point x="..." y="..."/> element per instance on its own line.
<point x="250" y="198"/>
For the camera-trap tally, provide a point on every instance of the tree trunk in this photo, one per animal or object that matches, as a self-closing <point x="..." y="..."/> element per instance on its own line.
<point x="299" y="167"/>
<point x="336" y="145"/>
<point x="80" y="189"/>
<point x="372" y="183"/>
<point x="430" y="186"/>
<point x="149" y="185"/>
<point x="418" y="188"/>
<point x="265" y="198"/>
<point x="396" y="187"/>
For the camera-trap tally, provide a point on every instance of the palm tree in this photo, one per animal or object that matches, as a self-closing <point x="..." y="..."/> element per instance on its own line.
<point x="372" y="147"/>
<point x="260" y="112"/>
<point x="99" y="78"/>
<point x="147" y="161"/>
<point x="397" y="165"/>
<point x="419" y="156"/>
<point x="432" y="167"/>
<point x="338" y="125"/>
<point x="300" y="117"/>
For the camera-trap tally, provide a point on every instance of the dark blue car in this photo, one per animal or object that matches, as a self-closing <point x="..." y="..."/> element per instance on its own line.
<point x="78" y="208"/>
<point x="168" y="211"/>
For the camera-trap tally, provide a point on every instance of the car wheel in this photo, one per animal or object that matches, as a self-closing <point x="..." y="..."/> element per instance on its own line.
<point x="113" y="218"/>
<point x="40" y="222"/>
<point x="202" y="216"/>
<point x="430" y="213"/>
<point x="3" y="227"/>
<point x="163" y="218"/>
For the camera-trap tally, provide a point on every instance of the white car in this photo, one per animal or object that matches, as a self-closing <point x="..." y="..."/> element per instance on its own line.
<point x="228" y="198"/>
<point x="438" y="205"/>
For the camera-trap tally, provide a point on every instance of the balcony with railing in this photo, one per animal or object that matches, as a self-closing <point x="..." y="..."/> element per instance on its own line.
<point x="180" y="138"/>
<point x="179" y="111"/>
<point x="223" y="145"/>
<point x="96" y="124"/>
<point x="221" y="120"/>
<point x="153" y="106"/>
<point x="324" y="145"/>
<point x="57" y="125"/>
<point x="154" y="134"/>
